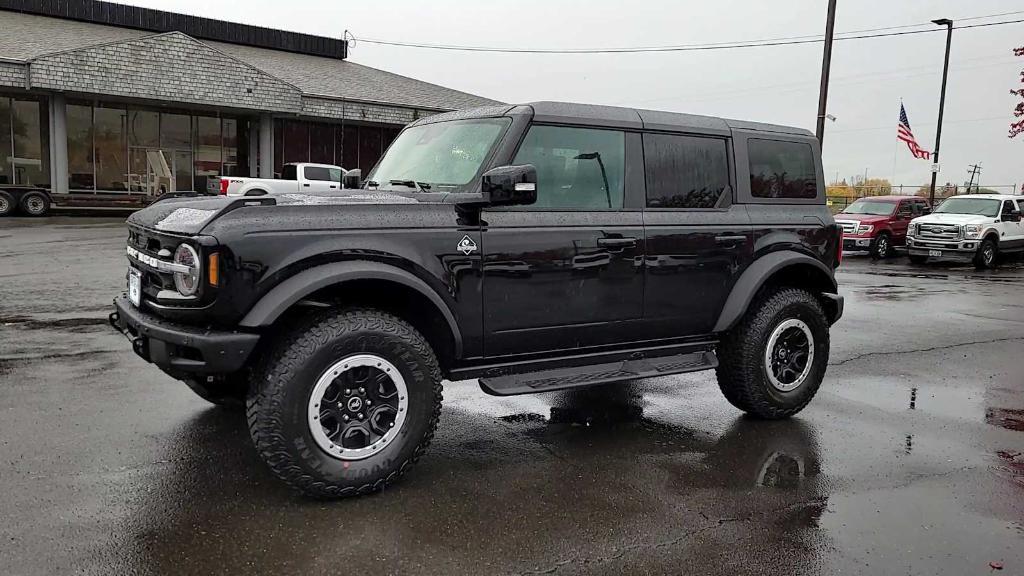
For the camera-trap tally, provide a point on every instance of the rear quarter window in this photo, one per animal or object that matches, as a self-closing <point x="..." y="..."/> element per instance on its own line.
<point x="781" y="169"/>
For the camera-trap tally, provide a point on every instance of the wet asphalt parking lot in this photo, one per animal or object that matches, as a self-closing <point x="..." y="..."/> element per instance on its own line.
<point x="909" y="461"/>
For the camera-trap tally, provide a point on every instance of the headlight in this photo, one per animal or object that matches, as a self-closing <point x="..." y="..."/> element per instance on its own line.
<point x="187" y="283"/>
<point x="864" y="228"/>
<point x="972" y="230"/>
<point x="912" y="229"/>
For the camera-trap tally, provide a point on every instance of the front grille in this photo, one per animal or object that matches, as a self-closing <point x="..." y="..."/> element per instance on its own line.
<point x="848" y="226"/>
<point x="938" y="232"/>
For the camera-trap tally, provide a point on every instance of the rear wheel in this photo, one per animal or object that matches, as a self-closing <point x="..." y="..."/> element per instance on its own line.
<point x="882" y="248"/>
<point x="773" y="362"/>
<point x="35" y="204"/>
<point x="6" y="203"/>
<point x="346" y="403"/>
<point x="918" y="259"/>
<point x="986" y="255"/>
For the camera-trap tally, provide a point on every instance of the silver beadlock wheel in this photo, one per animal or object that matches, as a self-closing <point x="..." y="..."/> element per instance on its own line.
<point x="5" y="206"/>
<point x="789" y="355"/>
<point x="357" y="407"/>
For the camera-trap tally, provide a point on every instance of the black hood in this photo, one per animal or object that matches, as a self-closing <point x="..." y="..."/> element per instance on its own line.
<point x="191" y="214"/>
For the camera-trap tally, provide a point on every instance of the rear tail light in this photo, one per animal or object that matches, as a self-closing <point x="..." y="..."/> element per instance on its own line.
<point x="223" y="186"/>
<point x="839" y="248"/>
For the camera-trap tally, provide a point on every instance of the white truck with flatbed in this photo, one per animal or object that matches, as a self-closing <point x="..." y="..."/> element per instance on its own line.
<point x="973" y="227"/>
<point x="297" y="177"/>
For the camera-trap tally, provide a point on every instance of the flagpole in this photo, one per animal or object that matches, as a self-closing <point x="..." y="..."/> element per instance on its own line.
<point x="895" y="151"/>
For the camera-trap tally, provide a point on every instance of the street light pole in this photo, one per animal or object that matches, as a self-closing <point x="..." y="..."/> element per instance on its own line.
<point x="826" y="66"/>
<point x="942" y="104"/>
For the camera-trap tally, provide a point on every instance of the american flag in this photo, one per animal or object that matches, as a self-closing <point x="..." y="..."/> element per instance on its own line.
<point x="903" y="133"/>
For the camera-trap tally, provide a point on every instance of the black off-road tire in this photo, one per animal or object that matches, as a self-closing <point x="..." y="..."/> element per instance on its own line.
<point x="918" y="259"/>
<point x="742" y="374"/>
<point x="881" y="248"/>
<point x="987" y="255"/>
<point x="35" y="204"/>
<point x="276" y="407"/>
<point x="7" y="205"/>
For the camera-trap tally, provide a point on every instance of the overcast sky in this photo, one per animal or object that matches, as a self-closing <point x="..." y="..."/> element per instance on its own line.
<point x="772" y="84"/>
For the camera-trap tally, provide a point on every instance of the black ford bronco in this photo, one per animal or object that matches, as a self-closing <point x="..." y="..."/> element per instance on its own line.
<point x="535" y="247"/>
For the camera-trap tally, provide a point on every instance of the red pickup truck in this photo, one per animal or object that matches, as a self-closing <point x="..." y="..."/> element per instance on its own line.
<point x="878" y="224"/>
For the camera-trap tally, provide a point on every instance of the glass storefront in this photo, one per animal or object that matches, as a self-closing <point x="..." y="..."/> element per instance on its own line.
<point x="349" y="146"/>
<point x="24" y="142"/>
<point x="118" y="149"/>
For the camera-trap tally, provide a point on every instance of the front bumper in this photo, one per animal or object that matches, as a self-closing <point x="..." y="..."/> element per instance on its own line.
<point x="948" y="249"/>
<point x="177" y="348"/>
<point x="834" y="304"/>
<point x="853" y="243"/>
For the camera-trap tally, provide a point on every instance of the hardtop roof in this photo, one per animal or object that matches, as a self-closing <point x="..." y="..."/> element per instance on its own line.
<point x="621" y="117"/>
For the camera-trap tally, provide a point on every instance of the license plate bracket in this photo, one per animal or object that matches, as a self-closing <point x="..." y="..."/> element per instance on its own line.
<point x="135" y="286"/>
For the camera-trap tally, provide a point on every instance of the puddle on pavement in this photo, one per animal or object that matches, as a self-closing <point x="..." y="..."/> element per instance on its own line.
<point x="70" y="324"/>
<point x="893" y="396"/>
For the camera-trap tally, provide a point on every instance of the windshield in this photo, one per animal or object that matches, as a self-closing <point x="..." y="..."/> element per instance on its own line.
<point x="980" y="206"/>
<point x="441" y="155"/>
<point x="873" y="208"/>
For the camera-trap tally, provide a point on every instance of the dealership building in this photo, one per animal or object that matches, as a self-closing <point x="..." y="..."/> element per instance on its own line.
<point x="103" y="103"/>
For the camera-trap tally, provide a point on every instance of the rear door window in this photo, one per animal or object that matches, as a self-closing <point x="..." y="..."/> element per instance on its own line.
<point x="685" y="171"/>
<point x="322" y="173"/>
<point x="577" y="168"/>
<point x="781" y="169"/>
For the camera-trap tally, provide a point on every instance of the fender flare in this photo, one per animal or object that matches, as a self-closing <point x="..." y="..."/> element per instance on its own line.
<point x="281" y="297"/>
<point x="755" y="276"/>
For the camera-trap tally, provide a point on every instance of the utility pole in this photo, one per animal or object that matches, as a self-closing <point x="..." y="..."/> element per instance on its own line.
<point x="975" y="171"/>
<point x="826" y="66"/>
<point x="942" y="104"/>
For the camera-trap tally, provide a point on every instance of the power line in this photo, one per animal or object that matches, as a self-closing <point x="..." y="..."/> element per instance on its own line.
<point x="786" y="41"/>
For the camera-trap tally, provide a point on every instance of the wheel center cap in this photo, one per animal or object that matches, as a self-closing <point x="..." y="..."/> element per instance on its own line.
<point x="355" y="404"/>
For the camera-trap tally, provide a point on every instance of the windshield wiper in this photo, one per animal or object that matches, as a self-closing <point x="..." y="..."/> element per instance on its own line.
<point x="421" y="186"/>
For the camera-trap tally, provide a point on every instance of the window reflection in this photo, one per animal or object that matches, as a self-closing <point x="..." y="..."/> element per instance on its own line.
<point x="110" y="140"/>
<point x="81" y="168"/>
<point x="6" y="148"/>
<point x="31" y="138"/>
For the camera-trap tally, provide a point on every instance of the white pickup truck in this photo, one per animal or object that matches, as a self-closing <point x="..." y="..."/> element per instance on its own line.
<point x="299" y="177"/>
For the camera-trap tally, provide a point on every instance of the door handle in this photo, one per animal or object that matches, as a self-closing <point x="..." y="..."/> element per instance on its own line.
<point x="616" y="242"/>
<point x="306" y="185"/>
<point x="333" y="187"/>
<point x="730" y="240"/>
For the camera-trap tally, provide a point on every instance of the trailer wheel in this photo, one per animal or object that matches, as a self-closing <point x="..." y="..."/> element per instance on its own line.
<point x="35" y="204"/>
<point x="6" y="203"/>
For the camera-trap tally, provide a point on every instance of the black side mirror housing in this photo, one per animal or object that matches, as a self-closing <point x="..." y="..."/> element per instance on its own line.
<point x="509" y="186"/>
<point x="352" y="179"/>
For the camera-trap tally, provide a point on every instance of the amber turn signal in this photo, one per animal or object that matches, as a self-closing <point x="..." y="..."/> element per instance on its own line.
<point x="213" y="268"/>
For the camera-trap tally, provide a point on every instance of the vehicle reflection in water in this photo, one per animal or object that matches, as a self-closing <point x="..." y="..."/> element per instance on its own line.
<point x="595" y="463"/>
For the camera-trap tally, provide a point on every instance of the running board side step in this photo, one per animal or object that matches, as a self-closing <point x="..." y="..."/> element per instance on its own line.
<point x="608" y="372"/>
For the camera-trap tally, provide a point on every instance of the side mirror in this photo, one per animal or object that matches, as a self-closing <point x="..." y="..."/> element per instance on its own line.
<point x="352" y="179"/>
<point x="509" y="186"/>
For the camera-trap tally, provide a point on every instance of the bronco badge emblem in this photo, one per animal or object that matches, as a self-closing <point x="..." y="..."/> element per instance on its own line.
<point x="466" y="245"/>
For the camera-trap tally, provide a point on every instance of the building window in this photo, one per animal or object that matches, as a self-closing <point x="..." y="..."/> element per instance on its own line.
<point x="30" y="130"/>
<point x="321" y="143"/>
<point x="81" y="164"/>
<point x="6" y="145"/>
<point x="348" y="143"/>
<point x="296" y="141"/>
<point x="176" y="147"/>
<point x="208" y="151"/>
<point x="111" y="148"/>
<point x="685" y="171"/>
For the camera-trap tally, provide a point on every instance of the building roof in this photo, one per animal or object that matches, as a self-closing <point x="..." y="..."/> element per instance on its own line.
<point x="27" y="36"/>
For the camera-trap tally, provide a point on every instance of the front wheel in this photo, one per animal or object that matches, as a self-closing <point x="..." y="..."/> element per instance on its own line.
<point x="986" y="255"/>
<point x="882" y="248"/>
<point x="772" y="363"/>
<point x="346" y="403"/>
